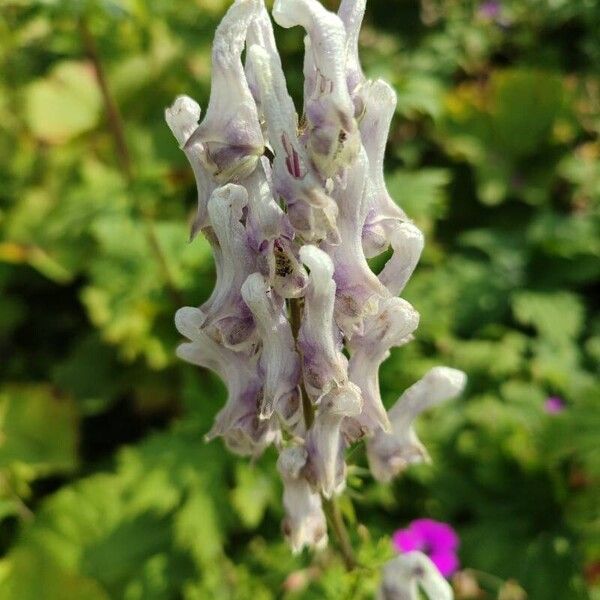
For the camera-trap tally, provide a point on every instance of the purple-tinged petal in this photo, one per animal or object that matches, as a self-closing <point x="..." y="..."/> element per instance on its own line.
<point x="182" y="117"/>
<point x="304" y="523"/>
<point x="229" y="138"/>
<point x="319" y="340"/>
<point x="270" y="235"/>
<point x="237" y="422"/>
<point x="228" y="319"/>
<point x="391" y="453"/>
<point x="311" y="211"/>
<point x="359" y="291"/>
<point x="391" y="327"/>
<point x="326" y="467"/>
<point x="279" y="362"/>
<point x="333" y="138"/>
<point x="383" y="216"/>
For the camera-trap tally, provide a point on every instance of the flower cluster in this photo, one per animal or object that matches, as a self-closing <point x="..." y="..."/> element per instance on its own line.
<point x="298" y="323"/>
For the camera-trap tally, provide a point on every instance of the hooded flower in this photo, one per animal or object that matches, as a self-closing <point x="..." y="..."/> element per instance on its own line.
<point x="390" y="453"/>
<point x="279" y="363"/>
<point x="435" y="539"/>
<point x="326" y="466"/>
<point x="310" y="209"/>
<point x="392" y="326"/>
<point x="237" y="422"/>
<point x="304" y="523"/>
<point x="298" y="323"/>
<point x="228" y="319"/>
<point x="229" y="139"/>
<point x="319" y="338"/>
<point x="332" y="136"/>
<point x="404" y="575"/>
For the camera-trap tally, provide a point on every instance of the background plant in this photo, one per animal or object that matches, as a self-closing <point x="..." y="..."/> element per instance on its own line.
<point x="106" y="488"/>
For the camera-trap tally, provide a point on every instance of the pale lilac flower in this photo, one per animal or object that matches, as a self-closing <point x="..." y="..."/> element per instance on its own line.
<point x="333" y="139"/>
<point x="390" y="453"/>
<point x="404" y="576"/>
<point x="326" y="466"/>
<point x="554" y="405"/>
<point x="304" y="523"/>
<point x="279" y="363"/>
<point x="437" y="540"/>
<point x="292" y="212"/>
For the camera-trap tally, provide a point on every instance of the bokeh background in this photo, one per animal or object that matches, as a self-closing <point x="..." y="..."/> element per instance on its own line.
<point x="107" y="490"/>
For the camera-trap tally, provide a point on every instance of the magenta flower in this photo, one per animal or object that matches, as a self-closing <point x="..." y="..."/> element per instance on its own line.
<point x="554" y="405"/>
<point x="435" y="539"/>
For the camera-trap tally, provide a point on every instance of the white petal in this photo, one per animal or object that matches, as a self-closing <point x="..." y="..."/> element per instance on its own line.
<point x="407" y="242"/>
<point x="279" y="361"/>
<point x="390" y="453"/>
<point x="304" y="523"/>
<point x="351" y="12"/>
<point x="182" y="117"/>
<point x="333" y="138"/>
<point x="319" y="340"/>
<point x="359" y="291"/>
<point x="230" y="134"/>
<point x="323" y="440"/>
<point x="404" y="575"/>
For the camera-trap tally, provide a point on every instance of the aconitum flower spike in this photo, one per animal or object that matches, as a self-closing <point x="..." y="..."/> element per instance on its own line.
<point x="298" y="323"/>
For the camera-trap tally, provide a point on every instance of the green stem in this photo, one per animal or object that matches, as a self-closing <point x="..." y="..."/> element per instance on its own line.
<point x="336" y="520"/>
<point x="295" y="320"/>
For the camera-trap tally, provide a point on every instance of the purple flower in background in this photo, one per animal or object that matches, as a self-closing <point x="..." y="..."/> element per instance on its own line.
<point x="490" y="9"/>
<point x="554" y="405"/>
<point x="435" y="539"/>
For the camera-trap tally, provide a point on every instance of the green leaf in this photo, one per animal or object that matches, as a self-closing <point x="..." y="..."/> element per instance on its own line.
<point x="38" y="431"/>
<point x="421" y="194"/>
<point x="557" y="316"/>
<point x="64" y="104"/>
<point x="253" y="492"/>
<point x="30" y="575"/>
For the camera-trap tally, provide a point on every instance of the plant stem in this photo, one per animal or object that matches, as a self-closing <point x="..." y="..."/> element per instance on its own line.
<point x="330" y="506"/>
<point x="295" y="320"/>
<point x="117" y="129"/>
<point x="336" y="520"/>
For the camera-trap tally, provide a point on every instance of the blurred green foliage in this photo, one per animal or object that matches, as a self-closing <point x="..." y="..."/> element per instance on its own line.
<point x="107" y="490"/>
